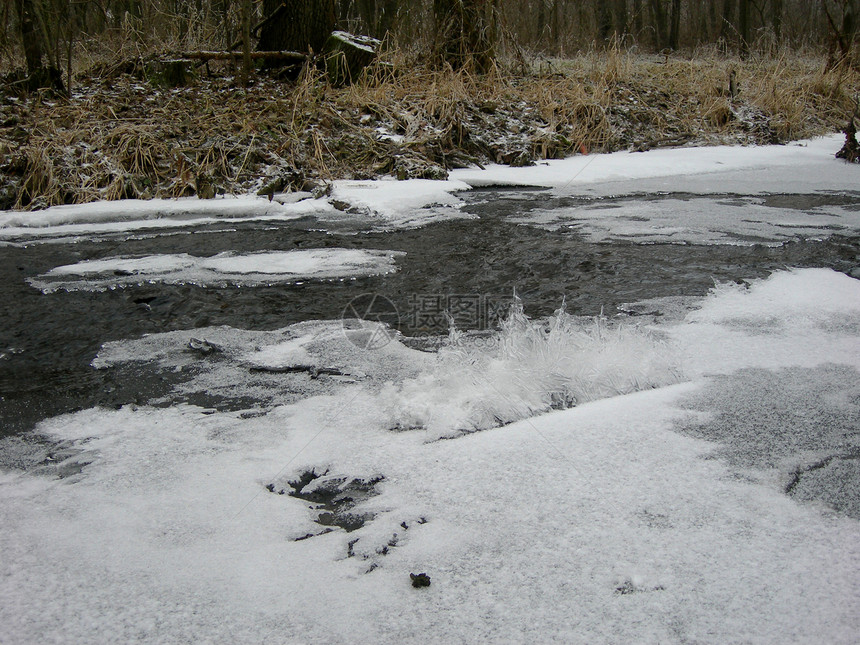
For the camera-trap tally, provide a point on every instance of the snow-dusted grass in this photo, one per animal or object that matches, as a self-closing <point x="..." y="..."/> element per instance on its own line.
<point x="403" y="119"/>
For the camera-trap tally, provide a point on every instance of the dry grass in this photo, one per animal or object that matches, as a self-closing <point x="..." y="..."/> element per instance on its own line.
<point x="122" y="137"/>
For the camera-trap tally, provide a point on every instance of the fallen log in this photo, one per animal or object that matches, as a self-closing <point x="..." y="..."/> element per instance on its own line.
<point x="220" y="55"/>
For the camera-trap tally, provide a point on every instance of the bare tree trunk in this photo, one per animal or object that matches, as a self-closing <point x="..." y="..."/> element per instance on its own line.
<point x="843" y="33"/>
<point x="659" y="15"/>
<point x="367" y="12"/>
<point x="604" y="22"/>
<point x="621" y="17"/>
<point x="221" y="9"/>
<point x="637" y="18"/>
<point x="297" y="25"/>
<point x="776" y="19"/>
<point x="386" y="19"/>
<point x="727" y="26"/>
<point x="31" y="37"/>
<point x="675" y="29"/>
<point x="466" y="32"/>
<point x="540" y="28"/>
<point x="713" y="22"/>
<point x="246" y="42"/>
<point x="744" y="26"/>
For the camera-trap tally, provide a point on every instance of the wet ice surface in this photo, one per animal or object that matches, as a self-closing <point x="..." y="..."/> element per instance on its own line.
<point x="801" y="424"/>
<point x="693" y="219"/>
<point x="686" y="472"/>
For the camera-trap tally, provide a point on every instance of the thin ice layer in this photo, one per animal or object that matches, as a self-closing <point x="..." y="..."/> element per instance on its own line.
<point x="695" y="220"/>
<point x="225" y="268"/>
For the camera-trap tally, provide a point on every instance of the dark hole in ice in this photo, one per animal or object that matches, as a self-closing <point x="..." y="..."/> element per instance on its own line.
<point x="336" y="497"/>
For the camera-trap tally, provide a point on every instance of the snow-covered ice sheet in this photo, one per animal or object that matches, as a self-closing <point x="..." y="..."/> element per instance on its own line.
<point x="805" y="167"/>
<point x="138" y="215"/>
<point x="223" y="269"/>
<point x="795" y="318"/>
<point x="597" y="524"/>
<point x="808" y="163"/>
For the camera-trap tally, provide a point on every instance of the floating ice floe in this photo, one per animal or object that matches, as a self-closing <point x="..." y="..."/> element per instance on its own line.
<point x="390" y="204"/>
<point x="272" y="267"/>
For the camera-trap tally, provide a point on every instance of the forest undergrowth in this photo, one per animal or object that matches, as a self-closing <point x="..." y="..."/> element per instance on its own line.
<point x="122" y="135"/>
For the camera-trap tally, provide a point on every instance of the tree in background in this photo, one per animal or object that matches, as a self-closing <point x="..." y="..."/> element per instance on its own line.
<point x="31" y="36"/>
<point x="378" y="17"/>
<point x="466" y="32"/>
<point x="675" y="26"/>
<point x="36" y="22"/>
<point x="744" y="26"/>
<point x="658" y="13"/>
<point x="41" y="34"/>
<point x="841" y="16"/>
<point x="296" y="25"/>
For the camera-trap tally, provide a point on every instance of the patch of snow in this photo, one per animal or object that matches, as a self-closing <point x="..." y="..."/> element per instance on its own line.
<point x="386" y="135"/>
<point x="805" y="318"/>
<point x="365" y="43"/>
<point x="388" y="203"/>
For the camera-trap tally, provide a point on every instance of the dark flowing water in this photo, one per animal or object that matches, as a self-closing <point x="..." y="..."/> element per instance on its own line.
<point x="469" y="266"/>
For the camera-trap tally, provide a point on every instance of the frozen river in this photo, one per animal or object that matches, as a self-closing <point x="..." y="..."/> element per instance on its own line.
<point x="611" y="398"/>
